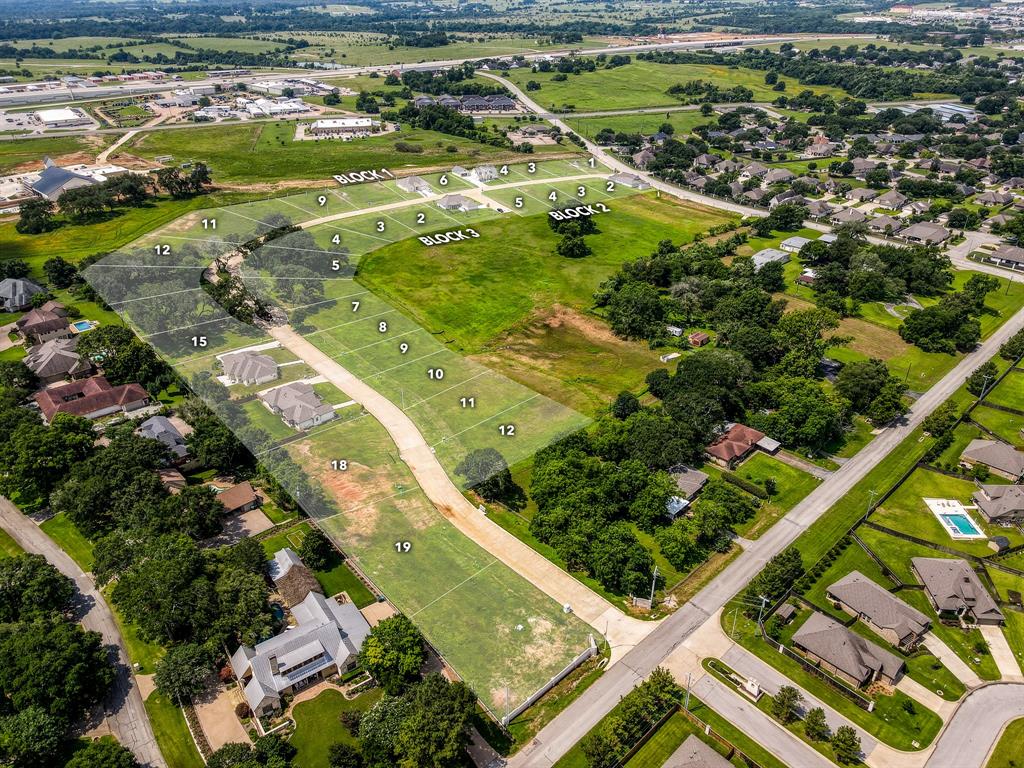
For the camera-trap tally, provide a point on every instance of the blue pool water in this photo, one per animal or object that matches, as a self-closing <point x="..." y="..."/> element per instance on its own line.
<point x="963" y="524"/>
<point x="83" y="325"/>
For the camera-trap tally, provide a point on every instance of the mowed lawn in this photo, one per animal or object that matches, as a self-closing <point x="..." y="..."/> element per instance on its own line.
<point x="791" y="485"/>
<point x="477" y="290"/>
<point x="683" y="121"/>
<point x="1010" y="748"/>
<point x="267" y="152"/>
<point x="317" y="726"/>
<point x="646" y="84"/>
<point x="172" y="734"/>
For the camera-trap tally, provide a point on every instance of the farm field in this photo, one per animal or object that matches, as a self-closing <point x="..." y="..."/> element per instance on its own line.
<point x="644" y="84"/>
<point x="241" y="154"/>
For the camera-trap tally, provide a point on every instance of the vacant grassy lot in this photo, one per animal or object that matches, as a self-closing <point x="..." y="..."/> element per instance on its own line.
<point x="1010" y="391"/>
<point x="682" y="121"/>
<point x="791" y="485"/>
<point x="239" y="44"/>
<point x="8" y="546"/>
<point x="70" y="539"/>
<point x="1008" y="427"/>
<point x="644" y="84"/>
<point x="266" y="152"/>
<point x="16" y="153"/>
<point x="317" y="726"/>
<point x="172" y="734"/>
<point x="473" y="292"/>
<point x="1008" y="751"/>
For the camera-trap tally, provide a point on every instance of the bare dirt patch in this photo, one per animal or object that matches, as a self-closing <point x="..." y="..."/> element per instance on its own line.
<point x="72" y="158"/>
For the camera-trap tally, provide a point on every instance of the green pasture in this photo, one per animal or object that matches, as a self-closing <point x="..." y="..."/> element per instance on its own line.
<point x="792" y="485"/>
<point x="683" y="122"/>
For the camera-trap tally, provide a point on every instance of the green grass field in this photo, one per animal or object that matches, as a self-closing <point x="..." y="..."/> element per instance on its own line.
<point x="22" y="151"/>
<point x="792" y="485"/>
<point x="317" y="726"/>
<point x="1008" y="427"/>
<point x="222" y="44"/>
<point x="644" y="84"/>
<point x="70" y="539"/>
<point x="172" y="734"/>
<point x="1009" y="393"/>
<point x="266" y="152"/>
<point x="1007" y="753"/>
<point x="8" y="546"/>
<point x="682" y="121"/>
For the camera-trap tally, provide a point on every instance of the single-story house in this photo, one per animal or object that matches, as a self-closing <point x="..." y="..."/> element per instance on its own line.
<point x="49" y="321"/>
<point x="688" y="480"/>
<point x="794" y="244"/>
<point x="91" y="398"/>
<point x="861" y="194"/>
<point x="414" y="185"/>
<point x="753" y="171"/>
<point x="1006" y="255"/>
<point x="1000" y="219"/>
<point x="16" y="293"/>
<point x="1001" y="458"/>
<point x="777" y="175"/>
<point x="887" y="615"/>
<point x="485" y="173"/>
<point x="292" y="579"/>
<point x="694" y="753"/>
<point x="925" y="232"/>
<point x="162" y="429"/>
<point x="1000" y="503"/>
<point x="736" y="443"/>
<point x="56" y="360"/>
<point x="845" y="654"/>
<point x="893" y="200"/>
<point x="819" y="209"/>
<point x="706" y="160"/>
<point x="239" y="498"/>
<point x="457" y="203"/>
<point x="642" y="158"/>
<point x="172" y="480"/>
<point x="768" y="256"/>
<point x="249" y="368"/>
<point x="955" y="590"/>
<point x="298" y="404"/>
<point x="629" y="180"/>
<point x="992" y="197"/>
<point x="885" y="225"/>
<point x="848" y="216"/>
<point x="326" y="640"/>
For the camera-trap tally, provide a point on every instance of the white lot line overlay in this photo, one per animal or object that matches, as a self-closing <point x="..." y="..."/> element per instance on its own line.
<point x="449" y="389"/>
<point x="221" y="319"/>
<point x="448" y="592"/>
<point x="342" y="325"/>
<point x="155" y="296"/>
<point x="334" y="424"/>
<point x="407" y="362"/>
<point x="382" y="341"/>
<point x="371" y="502"/>
<point x="484" y="421"/>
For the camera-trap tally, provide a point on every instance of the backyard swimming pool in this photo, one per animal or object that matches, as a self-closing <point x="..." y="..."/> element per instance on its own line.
<point x="84" y="325"/>
<point x="962" y="524"/>
<point x="954" y="518"/>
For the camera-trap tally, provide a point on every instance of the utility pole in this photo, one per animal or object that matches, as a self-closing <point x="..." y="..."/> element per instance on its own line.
<point x="654" y="580"/>
<point x="871" y="500"/>
<point x="735" y="611"/>
<point x="686" y="705"/>
<point x="760" y="612"/>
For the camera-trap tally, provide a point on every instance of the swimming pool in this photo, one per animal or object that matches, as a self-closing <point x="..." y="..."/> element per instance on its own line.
<point x="962" y="524"/>
<point x="83" y="325"/>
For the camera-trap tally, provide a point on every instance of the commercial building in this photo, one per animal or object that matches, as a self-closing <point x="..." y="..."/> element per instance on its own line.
<point x="62" y="118"/>
<point x="344" y="126"/>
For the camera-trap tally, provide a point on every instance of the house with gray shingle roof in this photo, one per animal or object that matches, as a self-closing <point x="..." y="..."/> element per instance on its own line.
<point x="249" y="368"/>
<point x="298" y="404"/>
<point x="1001" y="458"/>
<point x="955" y="591"/>
<point x="326" y="640"/>
<point x="845" y="654"/>
<point x="161" y="429"/>
<point x="16" y="293"/>
<point x="887" y="615"/>
<point x="56" y="360"/>
<point x="1000" y="503"/>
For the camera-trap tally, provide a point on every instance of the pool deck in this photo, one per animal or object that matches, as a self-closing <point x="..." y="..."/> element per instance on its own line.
<point x="945" y="510"/>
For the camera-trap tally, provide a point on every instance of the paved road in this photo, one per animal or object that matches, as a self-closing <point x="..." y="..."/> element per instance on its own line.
<point x="125" y="713"/>
<point x="622" y="632"/>
<point x="973" y="733"/>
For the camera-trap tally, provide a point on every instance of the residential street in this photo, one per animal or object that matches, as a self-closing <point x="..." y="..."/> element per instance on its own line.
<point x="125" y="712"/>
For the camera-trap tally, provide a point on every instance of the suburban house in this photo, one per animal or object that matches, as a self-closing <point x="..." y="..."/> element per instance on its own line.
<point x="415" y="185"/>
<point x="172" y="480"/>
<point x="955" y="591"/>
<point x="161" y="428"/>
<point x="239" y="498"/>
<point x="794" y="244"/>
<point x="861" y="194"/>
<point x="845" y="654"/>
<point x="925" y="232"/>
<point x="457" y="203"/>
<point x="778" y="175"/>
<point x="768" y="256"/>
<point x="629" y="180"/>
<point x="689" y="481"/>
<point x="326" y="640"/>
<point x="49" y="321"/>
<point x="1000" y="503"/>
<point x="249" y="368"/>
<point x="992" y="197"/>
<point x="819" y="208"/>
<point x="16" y="293"/>
<point x="736" y="443"/>
<point x="642" y="158"/>
<point x="893" y="200"/>
<point x="1006" y="255"/>
<point x="297" y="404"/>
<point x="887" y="615"/>
<point x="292" y="579"/>
<point x="848" y="216"/>
<point x="56" y="360"/>
<point x="694" y="753"/>
<point x="1001" y="458"/>
<point x="91" y="398"/>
